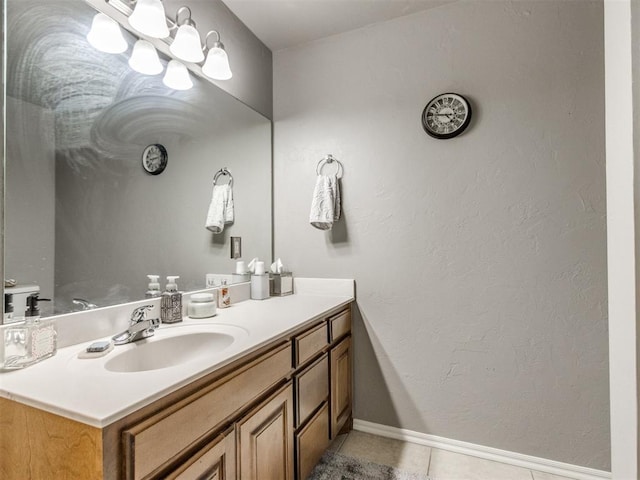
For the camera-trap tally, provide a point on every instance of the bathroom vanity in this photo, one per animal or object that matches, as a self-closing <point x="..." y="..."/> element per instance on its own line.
<point x="265" y="407"/>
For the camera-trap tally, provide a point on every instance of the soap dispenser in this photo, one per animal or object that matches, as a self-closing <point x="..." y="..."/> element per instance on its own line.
<point x="171" y="303"/>
<point x="8" y="307"/>
<point x="29" y="342"/>
<point x="154" y="287"/>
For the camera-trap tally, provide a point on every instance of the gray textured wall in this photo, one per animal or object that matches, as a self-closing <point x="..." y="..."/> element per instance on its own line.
<point x="480" y="261"/>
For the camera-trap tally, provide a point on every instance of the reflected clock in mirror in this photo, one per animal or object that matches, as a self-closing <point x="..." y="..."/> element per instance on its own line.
<point x="154" y="159"/>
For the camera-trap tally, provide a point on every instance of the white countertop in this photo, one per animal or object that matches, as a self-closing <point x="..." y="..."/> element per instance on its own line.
<point x="81" y="389"/>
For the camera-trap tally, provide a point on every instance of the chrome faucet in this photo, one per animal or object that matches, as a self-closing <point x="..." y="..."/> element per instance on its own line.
<point x="85" y="304"/>
<point x="139" y="327"/>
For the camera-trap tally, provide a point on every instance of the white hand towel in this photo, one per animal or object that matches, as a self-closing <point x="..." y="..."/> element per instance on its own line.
<point x="325" y="205"/>
<point x="220" y="208"/>
<point x="228" y="208"/>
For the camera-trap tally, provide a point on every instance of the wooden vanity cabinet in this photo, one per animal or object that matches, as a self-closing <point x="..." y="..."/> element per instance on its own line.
<point x="216" y="461"/>
<point x="341" y="392"/>
<point x="269" y="415"/>
<point x="323" y="388"/>
<point x="265" y="439"/>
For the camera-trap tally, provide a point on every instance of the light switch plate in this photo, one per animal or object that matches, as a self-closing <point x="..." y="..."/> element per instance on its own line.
<point x="236" y="247"/>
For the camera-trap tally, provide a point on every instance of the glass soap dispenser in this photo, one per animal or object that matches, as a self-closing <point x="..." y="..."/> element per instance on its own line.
<point x="28" y="342"/>
<point x="171" y="302"/>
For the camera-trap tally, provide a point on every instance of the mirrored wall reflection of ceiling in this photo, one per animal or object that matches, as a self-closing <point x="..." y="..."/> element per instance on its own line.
<point x="286" y="23"/>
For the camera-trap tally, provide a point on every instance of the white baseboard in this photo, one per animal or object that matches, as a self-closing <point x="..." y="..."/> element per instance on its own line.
<point x="488" y="453"/>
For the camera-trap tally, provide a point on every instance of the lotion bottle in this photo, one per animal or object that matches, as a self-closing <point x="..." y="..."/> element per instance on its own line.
<point x="224" y="299"/>
<point x="171" y="302"/>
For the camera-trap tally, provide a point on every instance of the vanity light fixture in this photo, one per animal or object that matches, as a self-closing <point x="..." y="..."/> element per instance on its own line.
<point x="105" y="35"/>
<point x="186" y="46"/>
<point x="144" y="58"/>
<point x="177" y="76"/>
<point x="216" y="65"/>
<point x="149" y="18"/>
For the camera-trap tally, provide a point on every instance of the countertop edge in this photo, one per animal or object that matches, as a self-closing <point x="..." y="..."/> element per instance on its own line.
<point x="15" y="393"/>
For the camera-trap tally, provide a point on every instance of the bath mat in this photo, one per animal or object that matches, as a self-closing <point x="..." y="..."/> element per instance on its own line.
<point x="333" y="466"/>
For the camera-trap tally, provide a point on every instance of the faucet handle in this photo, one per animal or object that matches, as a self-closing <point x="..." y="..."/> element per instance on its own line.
<point x="140" y="313"/>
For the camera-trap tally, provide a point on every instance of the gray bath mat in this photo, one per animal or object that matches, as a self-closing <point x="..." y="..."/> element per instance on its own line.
<point x="333" y="466"/>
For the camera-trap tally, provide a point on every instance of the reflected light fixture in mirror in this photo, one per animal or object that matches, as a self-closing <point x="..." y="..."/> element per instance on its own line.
<point x="186" y="46"/>
<point x="216" y="65"/>
<point x="149" y="18"/>
<point x="144" y="58"/>
<point x="105" y="35"/>
<point x="177" y="76"/>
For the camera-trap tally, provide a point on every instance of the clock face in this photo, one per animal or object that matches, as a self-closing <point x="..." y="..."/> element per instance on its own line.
<point x="446" y="116"/>
<point x="154" y="159"/>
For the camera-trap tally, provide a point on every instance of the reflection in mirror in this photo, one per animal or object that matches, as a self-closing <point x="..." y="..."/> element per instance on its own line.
<point x="84" y="220"/>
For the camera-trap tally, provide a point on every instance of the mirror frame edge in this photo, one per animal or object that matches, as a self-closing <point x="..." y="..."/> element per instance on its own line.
<point x="2" y="143"/>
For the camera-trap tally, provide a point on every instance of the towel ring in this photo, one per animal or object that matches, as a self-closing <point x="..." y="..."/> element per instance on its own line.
<point x="223" y="171"/>
<point x="327" y="160"/>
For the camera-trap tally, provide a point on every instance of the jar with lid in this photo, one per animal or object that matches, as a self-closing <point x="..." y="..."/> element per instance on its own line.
<point x="201" y="305"/>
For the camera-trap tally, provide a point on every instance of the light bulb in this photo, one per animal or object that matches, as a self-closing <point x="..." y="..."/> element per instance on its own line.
<point x="144" y="58"/>
<point x="186" y="45"/>
<point x="217" y="64"/>
<point x="149" y="18"/>
<point x="177" y="76"/>
<point x="105" y="35"/>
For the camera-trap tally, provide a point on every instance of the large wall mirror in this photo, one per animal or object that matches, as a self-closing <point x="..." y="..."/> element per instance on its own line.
<point x="82" y="217"/>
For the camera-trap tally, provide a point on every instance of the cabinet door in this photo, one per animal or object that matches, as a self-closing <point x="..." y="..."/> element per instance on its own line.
<point x="216" y="461"/>
<point x="340" y="385"/>
<point x="312" y="441"/>
<point x="265" y="439"/>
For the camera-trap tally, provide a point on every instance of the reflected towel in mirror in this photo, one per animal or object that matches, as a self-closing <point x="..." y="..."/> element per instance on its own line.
<point x="325" y="205"/>
<point x="220" y="209"/>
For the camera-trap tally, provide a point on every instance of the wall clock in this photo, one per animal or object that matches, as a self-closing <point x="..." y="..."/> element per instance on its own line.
<point x="154" y="159"/>
<point x="446" y="115"/>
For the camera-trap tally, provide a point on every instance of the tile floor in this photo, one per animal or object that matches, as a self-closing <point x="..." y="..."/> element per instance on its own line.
<point x="438" y="464"/>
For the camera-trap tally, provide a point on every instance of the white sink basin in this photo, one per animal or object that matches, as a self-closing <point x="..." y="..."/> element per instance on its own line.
<point x="159" y="352"/>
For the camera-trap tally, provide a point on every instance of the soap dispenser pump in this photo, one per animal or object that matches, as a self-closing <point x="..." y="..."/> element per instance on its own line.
<point x="30" y="342"/>
<point x="171" y="303"/>
<point x="154" y="287"/>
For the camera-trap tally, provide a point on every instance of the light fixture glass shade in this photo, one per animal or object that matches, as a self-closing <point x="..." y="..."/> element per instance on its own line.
<point x="217" y="64"/>
<point x="149" y="18"/>
<point x="177" y="76"/>
<point x="105" y="35"/>
<point x="144" y="58"/>
<point x="186" y="45"/>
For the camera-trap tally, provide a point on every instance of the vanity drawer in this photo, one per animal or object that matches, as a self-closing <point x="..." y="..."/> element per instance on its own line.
<point x="216" y="461"/>
<point x="149" y="445"/>
<point x="339" y="325"/>
<point x="310" y="343"/>
<point x="312" y="441"/>
<point x="312" y="388"/>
